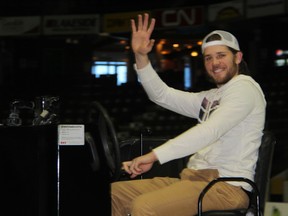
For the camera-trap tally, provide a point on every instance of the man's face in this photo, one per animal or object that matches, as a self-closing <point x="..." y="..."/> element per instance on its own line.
<point x="221" y="64"/>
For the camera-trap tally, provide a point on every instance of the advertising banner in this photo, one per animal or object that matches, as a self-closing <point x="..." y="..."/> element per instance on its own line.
<point x="13" y="26"/>
<point x="180" y="17"/>
<point x="226" y="11"/>
<point x="119" y="22"/>
<point x="71" y="24"/>
<point x="259" y="8"/>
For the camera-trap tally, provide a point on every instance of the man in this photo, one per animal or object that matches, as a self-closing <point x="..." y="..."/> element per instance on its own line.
<point x="224" y="143"/>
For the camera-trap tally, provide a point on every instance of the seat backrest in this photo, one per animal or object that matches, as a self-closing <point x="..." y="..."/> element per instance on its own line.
<point x="263" y="167"/>
<point x="260" y="185"/>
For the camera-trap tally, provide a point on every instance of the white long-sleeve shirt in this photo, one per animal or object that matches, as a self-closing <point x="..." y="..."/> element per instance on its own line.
<point x="231" y="122"/>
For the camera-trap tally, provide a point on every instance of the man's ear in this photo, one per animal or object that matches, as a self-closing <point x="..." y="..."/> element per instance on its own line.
<point x="239" y="56"/>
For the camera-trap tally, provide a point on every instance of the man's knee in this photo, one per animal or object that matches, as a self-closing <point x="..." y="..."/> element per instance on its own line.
<point x="142" y="206"/>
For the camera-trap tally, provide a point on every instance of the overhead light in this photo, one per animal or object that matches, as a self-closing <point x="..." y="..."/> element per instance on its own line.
<point x="194" y="53"/>
<point x="199" y="43"/>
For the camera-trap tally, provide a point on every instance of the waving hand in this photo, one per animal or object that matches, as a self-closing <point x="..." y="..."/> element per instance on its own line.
<point x="141" y="42"/>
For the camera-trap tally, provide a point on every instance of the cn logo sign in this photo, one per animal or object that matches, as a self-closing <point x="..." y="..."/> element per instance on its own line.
<point x="180" y="17"/>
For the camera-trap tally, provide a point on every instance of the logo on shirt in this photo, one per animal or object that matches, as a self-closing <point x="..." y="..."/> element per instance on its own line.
<point x="207" y="108"/>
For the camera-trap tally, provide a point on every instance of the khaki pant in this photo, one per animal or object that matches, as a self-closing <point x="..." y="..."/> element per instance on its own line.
<point x="163" y="196"/>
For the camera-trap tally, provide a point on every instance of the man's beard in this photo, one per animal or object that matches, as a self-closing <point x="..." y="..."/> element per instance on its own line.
<point x="223" y="80"/>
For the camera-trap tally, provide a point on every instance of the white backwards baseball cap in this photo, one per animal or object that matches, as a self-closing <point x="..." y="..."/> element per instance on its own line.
<point x="226" y="39"/>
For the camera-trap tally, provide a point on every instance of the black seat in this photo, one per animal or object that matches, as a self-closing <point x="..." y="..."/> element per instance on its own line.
<point x="260" y="185"/>
<point x="132" y="147"/>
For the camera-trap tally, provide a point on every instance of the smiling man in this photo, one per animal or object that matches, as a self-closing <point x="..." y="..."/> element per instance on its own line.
<point x="224" y="143"/>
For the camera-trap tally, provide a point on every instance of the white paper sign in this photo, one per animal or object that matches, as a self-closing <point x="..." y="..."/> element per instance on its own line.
<point x="71" y="134"/>
<point x="276" y="209"/>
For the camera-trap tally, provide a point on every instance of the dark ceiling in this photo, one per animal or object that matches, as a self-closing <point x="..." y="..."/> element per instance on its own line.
<point x="245" y="29"/>
<point x="68" y="7"/>
<point x="48" y="7"/>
